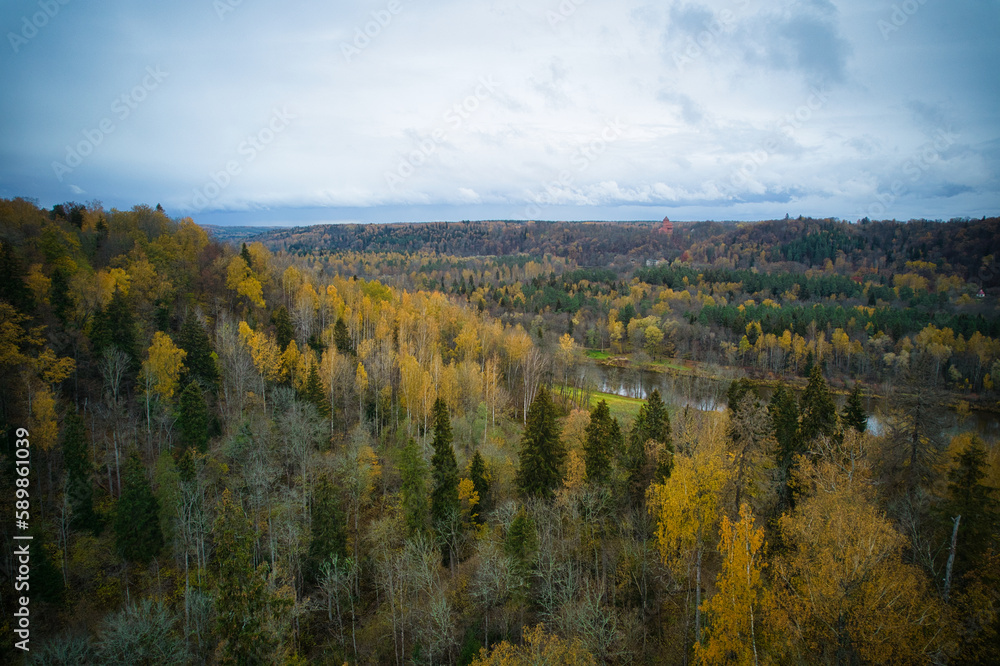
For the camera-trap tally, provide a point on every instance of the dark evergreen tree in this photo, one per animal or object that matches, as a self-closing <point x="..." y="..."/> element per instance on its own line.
<point x="819" y="413"/>
<point x="245" y="253"/>
<point x="342" y="338"/>
<point x="12" y="286"/>
<point x="737" y="390"/>
<point x="200" y="360"/>
<point x="521" y="542"/>
<point x="79" y="487"/>
<point x="115" y="327"/>
<point x="46" y="578"/>
<point x="284" y="332"/>
<point x="542" y="453"/>
<point x="971" y="499"/>
<point x="854" y="415"/>
<point x="444" y="469"/>
<point x="137" y="516"/>
<point x="481" y="484"/>
<point x="413" y="488"/>
<point x="314" y="394"/>
<point x="59" y="296"/>
<point x="651" y="423"/>
<point x="784" y="414"/>
<point x="241" y="597"/>
<point x="597" y="446"/>
<point x="328" y="533"/>
<point x="192" y="418"/>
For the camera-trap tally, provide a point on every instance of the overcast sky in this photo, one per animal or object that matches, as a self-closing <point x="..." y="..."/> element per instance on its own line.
<point x="248" y="111"/>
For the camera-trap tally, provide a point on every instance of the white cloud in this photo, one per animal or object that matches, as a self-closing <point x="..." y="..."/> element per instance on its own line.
<point x="730" y="107"/>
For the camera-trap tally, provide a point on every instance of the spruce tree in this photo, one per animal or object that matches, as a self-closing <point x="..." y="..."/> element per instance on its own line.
<point x="651" y="423"/>
<point x="241" y="598"/>
<point x="521" y="542"/>
<point x="314" y="394"/>
<point x="542" y="453"/>
<point x="413" y="488"/>
<point x="971" y="499"/>
<point x="480" y="483"/>
<point x="284" y="333"/>
<point x="341" y="337"/>
<point x="115" y="327"/>
<point x="79" y="487"/>
<point x="854" y="415"/>
<point x="137" y="516"/>
<point x="328" y="533"/>
<point x="819" y="413"/>
<point x="444" y="469"/>
<point x="200" y="360"/>
<point x="12" y="286"/>
<point x="597" y="446"/>
<point x="784" y="414"/>
<point x="192" y="418"/>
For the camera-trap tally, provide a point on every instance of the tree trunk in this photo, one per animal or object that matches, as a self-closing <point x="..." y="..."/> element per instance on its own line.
<point x="951" y="557"/>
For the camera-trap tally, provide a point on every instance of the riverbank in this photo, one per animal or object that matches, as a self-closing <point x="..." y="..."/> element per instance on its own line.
<point x="712" y="372"/>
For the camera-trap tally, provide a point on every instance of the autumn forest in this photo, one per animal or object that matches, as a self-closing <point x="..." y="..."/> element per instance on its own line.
<point x="499" y="442"/>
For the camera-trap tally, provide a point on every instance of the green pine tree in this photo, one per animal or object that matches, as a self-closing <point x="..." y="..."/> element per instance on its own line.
<point x="597" y="446"/>
<point x="784" y="414"/>
<point x="192" y="418"/>
<point x="444" y="469"/>
<point x="200" y="361"/>
<point x="79" y="487"/>
<point x="115" y="327"/>
<point x="542" y="453"/>
<point x="651" y="423"/>
<point x="969" y="498"/>
<point x="854" y="415"/>
<point x="241" y="598"/>
<point x="328" y="533"/>
<point x="413" y="488"/>
<point x="137" y="516"/>
<point x="284" y="333"/>
<point x="480" y="483"/>
<point x="521" y="542"/>
<point x="314" y="394"/>
<point x="341" y="337"/>
<point x="819" y="413"/>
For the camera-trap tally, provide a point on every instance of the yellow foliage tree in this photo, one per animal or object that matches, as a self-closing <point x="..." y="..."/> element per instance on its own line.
<point x="241" y="279"/>
<point x="265" y="354"/>
<point x="736" y="612"/>
<point x="686" y="511"/>
<point x="844" y="592"/>
<point x="539" y="648"/>
<point x="163" y="366"/>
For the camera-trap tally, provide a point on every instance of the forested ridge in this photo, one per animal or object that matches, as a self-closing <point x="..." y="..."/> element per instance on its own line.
<point x="377" y="444"/>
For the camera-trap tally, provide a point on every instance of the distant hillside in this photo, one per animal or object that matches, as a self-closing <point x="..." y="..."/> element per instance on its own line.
<point x="963" y="247"/>
<point x="234" y="234"/>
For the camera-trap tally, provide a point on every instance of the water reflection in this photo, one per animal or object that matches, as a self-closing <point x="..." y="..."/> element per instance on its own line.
<point x="709" y="395"/>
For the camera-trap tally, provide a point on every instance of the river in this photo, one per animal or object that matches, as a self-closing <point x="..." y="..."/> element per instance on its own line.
<point x="710" y="395"/>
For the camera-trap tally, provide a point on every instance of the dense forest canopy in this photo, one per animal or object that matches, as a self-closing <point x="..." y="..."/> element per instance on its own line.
<point x="384" y="444"/>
